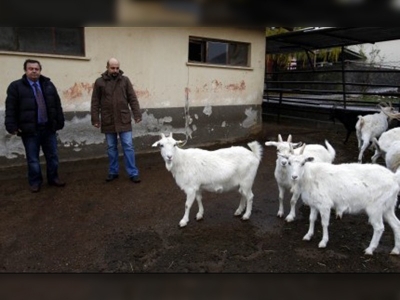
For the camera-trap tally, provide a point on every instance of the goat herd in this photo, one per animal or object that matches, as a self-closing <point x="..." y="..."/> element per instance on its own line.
<point x="307" y="171"/>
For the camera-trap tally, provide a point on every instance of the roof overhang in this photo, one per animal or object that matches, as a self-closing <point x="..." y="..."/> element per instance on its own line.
<point x="328" y="37"/>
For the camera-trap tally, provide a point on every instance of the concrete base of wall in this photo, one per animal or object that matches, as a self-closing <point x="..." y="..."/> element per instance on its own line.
<point x="199" y="126"/>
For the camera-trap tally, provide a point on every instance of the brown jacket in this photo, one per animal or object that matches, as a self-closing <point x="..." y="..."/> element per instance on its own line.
<point x="111" y="99"/>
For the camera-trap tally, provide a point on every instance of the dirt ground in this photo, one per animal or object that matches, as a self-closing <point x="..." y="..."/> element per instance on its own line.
<point x="94" y="226"/>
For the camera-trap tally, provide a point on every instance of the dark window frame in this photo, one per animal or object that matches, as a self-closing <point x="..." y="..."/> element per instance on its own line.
<point x="67" y="41"/>
<point x="210" y="51"/>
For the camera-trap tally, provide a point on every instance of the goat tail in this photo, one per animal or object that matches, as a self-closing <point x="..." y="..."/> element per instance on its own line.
<point x="256" y="149"/>
<point x="360" y="122"/>
<point x="331" y="150"/>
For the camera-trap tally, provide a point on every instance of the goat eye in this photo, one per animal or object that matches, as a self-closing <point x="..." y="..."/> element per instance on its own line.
<point x="161" y="145"/>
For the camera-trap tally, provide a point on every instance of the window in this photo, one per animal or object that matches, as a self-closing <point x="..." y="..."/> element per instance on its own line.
<point x="50" y="40"/>
<point x="218" y="52"/>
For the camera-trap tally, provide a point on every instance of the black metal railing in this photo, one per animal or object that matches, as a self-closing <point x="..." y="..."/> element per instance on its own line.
<point x="348" y="86"/>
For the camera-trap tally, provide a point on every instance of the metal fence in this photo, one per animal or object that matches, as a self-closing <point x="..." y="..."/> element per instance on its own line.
<point x="317" y="92"/>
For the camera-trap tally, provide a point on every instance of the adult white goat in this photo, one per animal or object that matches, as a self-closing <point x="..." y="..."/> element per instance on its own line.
<point x="392" y="157"/>
<point x="282" y="177"/>
<point x="348" y="188"/>
<point x="218" y="171"/>
<point x="371" y="126"/>
<point x="384" y="142"/>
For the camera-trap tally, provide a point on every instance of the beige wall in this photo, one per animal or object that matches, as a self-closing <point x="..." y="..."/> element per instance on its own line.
<point x="155" y="59"/>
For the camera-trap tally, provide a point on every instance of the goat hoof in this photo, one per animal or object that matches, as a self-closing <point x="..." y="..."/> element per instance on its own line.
<point x="199" y="217"/>
<point x="368" y="251"/>
<point x="182" y="224"/>
<point x="245" y="218"/>
<point x="307" y="237"/>
<point x="289" y="219"/>
<point x="395" y="251"/>
<point x="322" y="244"/>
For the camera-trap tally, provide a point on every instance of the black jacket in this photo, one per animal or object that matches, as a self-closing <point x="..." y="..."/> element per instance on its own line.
<point x="21" y="107"/>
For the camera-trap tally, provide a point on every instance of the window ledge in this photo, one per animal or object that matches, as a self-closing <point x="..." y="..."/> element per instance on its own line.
<point x="193" y="64"/>
<point x="31" y="54"/>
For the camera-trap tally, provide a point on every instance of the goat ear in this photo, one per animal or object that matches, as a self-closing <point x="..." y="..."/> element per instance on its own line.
<point x="271" y="143"/>
<point x="309" y="159"/>
<point x="156" y="144"/>
<point x="297" y="145"/>
<point x="280" y="138"/>
<point x="180" y="143"/>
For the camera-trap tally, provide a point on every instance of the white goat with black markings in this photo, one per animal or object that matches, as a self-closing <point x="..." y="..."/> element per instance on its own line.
<point x="384" y="142"/>
<point x="217" y="171"/>
<point x="282" y="177"/>
<point x="348" y="188"/>
<point x="371" y="126"/>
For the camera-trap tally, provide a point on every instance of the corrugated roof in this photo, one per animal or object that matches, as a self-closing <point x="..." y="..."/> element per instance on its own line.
<point x="328" y="38"/>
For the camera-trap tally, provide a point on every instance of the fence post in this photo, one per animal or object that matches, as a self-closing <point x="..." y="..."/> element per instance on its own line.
<point x="343" y="79"/>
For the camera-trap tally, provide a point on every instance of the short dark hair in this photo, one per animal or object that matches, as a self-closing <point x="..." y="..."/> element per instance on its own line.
<point x="32" y="61"/>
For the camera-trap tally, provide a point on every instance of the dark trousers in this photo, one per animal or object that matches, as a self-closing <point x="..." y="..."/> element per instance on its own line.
<point x="46" y="140"/>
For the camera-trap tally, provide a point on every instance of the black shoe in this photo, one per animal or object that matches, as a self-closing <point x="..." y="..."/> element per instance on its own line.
<point x="35" y="188"/>
<point x="57" y="182"/>
<point x="135" y="179"/>
<point x="111" y="177"/>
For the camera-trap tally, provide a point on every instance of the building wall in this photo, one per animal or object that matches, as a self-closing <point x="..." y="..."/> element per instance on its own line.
<point x="201" y="104"/>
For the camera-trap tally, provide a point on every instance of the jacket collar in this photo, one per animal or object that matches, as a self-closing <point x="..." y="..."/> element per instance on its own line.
<point x="108" y="77"/>
<point x="42" y="79"/>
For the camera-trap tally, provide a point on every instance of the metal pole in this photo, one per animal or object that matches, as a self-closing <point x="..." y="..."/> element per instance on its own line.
<point x="343" y="79"/>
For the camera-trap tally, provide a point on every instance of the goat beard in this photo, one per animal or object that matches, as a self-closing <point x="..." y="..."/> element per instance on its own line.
<point x="168" y="165"/>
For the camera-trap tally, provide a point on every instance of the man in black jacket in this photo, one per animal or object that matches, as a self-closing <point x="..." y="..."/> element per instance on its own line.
<point x="34" y="112"/>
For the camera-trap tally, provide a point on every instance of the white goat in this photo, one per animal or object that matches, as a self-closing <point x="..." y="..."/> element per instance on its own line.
<point x="349" y="188"/>
<point x="384" y="142"/>
<point x="283" y="179"/>
<point x="392" y="157"/>
<point x="218" y="171"/>
<point x="371" y="126"/>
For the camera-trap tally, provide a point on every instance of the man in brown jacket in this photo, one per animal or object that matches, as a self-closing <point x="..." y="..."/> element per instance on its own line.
<point x="112" y="96"/>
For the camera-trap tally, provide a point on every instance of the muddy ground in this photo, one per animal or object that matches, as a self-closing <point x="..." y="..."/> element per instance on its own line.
<point x="94" y="226"/>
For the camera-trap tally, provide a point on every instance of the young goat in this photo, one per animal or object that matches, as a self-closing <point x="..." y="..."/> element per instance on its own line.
<point x="348" y="118"/>
<point x="371" y="126"/>
<point x="284" y="181"/>
<point x="349" y="188"/>
<point x="217" y="171"/>
<point x="384" y="142"/>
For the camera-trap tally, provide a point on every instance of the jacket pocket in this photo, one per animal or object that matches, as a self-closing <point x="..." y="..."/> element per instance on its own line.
<point x="126" y="116"/>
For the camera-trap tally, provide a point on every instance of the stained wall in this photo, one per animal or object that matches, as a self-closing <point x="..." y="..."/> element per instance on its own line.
<point x="201" y="104"/>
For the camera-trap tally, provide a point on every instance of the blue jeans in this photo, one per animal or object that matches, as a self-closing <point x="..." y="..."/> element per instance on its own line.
<point x="128" y="150"/>
<point x="32" y="143"/>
